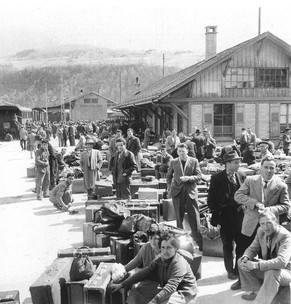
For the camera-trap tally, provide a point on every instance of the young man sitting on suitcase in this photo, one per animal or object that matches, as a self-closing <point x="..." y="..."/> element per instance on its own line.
<point x="61" y="195"/>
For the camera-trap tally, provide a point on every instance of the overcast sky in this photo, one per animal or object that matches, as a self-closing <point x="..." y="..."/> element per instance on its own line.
<point x="162" y="25"/>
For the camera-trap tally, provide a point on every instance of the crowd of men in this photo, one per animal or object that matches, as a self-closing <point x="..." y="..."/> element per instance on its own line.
<point x="248" y="210"/>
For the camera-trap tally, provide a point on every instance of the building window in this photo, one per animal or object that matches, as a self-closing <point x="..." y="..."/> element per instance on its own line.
<point x="285" y="116"/>
<point x="223" y="120"/>
<point x="87" y="100"/>
<point x="94" y="100"/>
<point x="240" y="78"/>
<point x="271" y="78"/>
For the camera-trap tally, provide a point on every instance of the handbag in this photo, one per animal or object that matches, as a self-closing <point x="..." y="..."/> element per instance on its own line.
<point x="82" y="268"/>
<point x="207" y="230"/>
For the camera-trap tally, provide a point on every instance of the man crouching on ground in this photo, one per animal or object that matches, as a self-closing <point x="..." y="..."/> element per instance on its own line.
<point x="61" y="195"/>
<point x="265" y="276"/>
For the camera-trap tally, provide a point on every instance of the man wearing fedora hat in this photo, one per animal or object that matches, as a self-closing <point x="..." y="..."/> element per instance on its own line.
<point x="91" y="162"/>
<point x="226" y="212"/>
<point x="286" y="141"/>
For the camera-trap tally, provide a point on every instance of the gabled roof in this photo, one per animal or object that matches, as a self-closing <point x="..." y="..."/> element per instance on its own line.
<point x="165" y="86"/>
<point x="67" y="101"/>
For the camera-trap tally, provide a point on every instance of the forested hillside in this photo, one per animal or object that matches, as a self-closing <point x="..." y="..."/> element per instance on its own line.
<point x="28" y="86"/>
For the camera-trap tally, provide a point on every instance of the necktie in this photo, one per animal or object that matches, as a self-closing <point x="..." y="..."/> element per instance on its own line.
<point x="269" y="245"/>
<point x="266" y="184"/>
<point x="232" y="178"/>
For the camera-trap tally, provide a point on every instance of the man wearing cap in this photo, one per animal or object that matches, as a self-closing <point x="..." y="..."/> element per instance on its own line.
<point x="42" y="170"/>
<point x="182" y="178"/>
<point x="122" y="165"/>
<point x="226" y="212"/>
<point x="264" y="148"/>
<point x="90" y="162"/>
<point x="61" y="195"/>
<point x="286" y="141"/>
<point x="112" y="148"/>
<point x="162" y="166"/>
<point x="259" y="193"/>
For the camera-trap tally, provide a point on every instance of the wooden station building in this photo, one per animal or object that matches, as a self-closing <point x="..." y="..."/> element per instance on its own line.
<point x="90" y="106"/>
<point x="247" y="85"/>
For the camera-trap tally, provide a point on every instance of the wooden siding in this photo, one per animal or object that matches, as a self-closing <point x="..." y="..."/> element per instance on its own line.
<point x="211" y="83"/>
<point x="90" y="111"/>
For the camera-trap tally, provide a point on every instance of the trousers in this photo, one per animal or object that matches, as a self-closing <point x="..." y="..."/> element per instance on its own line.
<point x="184" y="203"/>
<point x="266" y="283"/>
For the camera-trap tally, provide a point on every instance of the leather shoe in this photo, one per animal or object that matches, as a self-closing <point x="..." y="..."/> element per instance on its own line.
<point x="236" y="285"/>
<point x="249" y="296"/>
<point x="232" y="276"/>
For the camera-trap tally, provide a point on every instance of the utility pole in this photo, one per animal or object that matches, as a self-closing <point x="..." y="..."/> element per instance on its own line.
<point x="120" y="87"/>
<point x="46" y="103"/>
<point x="62" y="100"/>
<point x="259" y="23"/>
<point x="163" y="65"/>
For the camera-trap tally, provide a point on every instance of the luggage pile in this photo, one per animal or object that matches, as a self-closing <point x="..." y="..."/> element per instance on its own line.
<point x="113" y="232"/>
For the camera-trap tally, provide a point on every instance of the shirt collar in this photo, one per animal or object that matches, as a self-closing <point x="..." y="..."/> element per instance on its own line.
<point x="268" y="181"/>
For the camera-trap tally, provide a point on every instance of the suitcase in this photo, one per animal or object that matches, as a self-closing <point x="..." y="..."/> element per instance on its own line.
<point x="78" y="186"/>
<point x="11" y="296"/>
<point x="91" y="209"/>
<point x="163" y="183"/>
<point x="71" y="252"/>
<point x="96" y="260"/>
<point x="103" y="189"/>
<point x="113" y="240"/>
<point x="150" y="211"/>
<point x="168" y="210"/>
<point x="30" y="172"/>
<point x="98" y="202"/>
<point x="147" y="171"/>
<point x="137" y="184"/>
<point x="75" y="292"/>
<point x="145" y="203"/>
<point x="124" y="251"/>
<point x="148" y="194"/>
<point x="50" y="287"/>
<point x="89" y="236"/>
<point x="102" y="240"/>
<point x="95" y="288"/>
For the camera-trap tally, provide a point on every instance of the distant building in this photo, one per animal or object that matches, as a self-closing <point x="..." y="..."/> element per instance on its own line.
<point x="90" y="106"/>
<point x="247" y="85"/>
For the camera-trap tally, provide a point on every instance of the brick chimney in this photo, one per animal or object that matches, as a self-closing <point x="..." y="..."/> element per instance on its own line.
<point x="210" y="46"/>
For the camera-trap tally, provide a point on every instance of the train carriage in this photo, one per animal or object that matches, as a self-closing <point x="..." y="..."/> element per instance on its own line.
<point x="12" y="116"/>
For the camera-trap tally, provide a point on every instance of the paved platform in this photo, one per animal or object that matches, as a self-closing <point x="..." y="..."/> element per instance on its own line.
<point x="32" y="231"/>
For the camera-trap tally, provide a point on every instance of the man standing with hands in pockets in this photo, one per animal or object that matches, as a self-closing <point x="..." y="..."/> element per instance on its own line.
<point x="182" y="178"/>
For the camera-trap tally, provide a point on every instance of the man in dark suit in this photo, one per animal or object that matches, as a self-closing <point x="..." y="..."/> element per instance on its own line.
<point x="133" y="145"/>
<point x="182" y="177"/>
<point x="122" y="164"/>
<point x="265" y="276"/>
<point x="226" y="211"/>
<point x="200" y="142"/>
